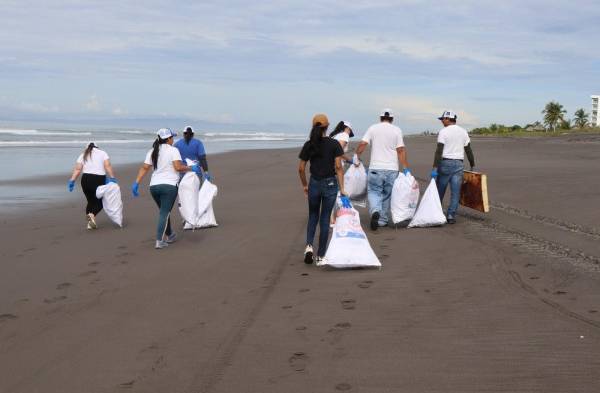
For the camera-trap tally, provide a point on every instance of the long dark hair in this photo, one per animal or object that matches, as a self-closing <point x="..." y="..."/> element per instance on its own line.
<point x="156" y="148"/>
<point x="341" y="127"/>
<point x="316" y="137"/>
<point x="88" y="151"/>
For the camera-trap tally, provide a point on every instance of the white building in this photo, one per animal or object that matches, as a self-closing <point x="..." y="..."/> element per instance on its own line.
<point x="595" y="120"/>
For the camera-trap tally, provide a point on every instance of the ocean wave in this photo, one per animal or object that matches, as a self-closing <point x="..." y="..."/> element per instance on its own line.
<point x="254" y="139"/>
<point x="136" y="132"/>
<point x="43" y="133"/>
<point x="71" y="143"/>
<point x="249" y="134"/>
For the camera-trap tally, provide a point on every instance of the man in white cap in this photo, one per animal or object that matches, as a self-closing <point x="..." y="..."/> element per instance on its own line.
<point x="448" y="165"/>
<point x="387" y="148"/>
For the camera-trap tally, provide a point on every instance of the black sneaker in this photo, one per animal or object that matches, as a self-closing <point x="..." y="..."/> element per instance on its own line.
<point x="451" y="220"/>
<point x="308" y="255"/>
<point x="375" y="221"/>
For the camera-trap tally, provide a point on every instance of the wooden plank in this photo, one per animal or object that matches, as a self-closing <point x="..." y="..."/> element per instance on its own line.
<point x="474" y="192"/>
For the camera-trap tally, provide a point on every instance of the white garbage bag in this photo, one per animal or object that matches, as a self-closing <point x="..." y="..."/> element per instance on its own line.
<point x="203" y="213"/>
<point x="405" y="198"/>
<point x="355" y="184"/>
<point x="349" y="246"/>
<point x="429" y="213"/>
<point x="111" y="202"/>
<point x="189" y="188"/>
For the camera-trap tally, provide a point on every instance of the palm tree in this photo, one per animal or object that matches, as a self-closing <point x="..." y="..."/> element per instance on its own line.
<point x="565" y="124"/>
<point x="553" y="113"/>
<point x="581" y="118"/>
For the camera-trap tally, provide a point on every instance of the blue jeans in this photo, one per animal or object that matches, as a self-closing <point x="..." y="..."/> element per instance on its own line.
<point x="164" y="195"/>
<point x="379" y="189"/>
<point x="321" y="199"/>
<point x="450" y="171"/>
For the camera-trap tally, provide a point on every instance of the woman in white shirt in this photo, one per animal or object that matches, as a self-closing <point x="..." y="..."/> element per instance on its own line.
<point x="94" y="164"/>
<point x="342" y="133"/>
<point x="166" y="161"/>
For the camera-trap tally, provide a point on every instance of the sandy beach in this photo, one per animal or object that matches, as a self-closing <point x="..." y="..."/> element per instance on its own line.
<point x="503" y="302"/>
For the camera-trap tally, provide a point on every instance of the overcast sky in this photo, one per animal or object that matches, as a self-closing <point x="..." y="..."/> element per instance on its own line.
<point x="279" y="62"/>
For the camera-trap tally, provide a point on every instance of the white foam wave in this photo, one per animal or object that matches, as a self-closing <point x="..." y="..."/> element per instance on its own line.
<point x="249" y="134"/>
<point x="43" y="133"/>
<point x="135" y="132"/>
<point x="71" y="143"/>
<point x="254" y="139"/>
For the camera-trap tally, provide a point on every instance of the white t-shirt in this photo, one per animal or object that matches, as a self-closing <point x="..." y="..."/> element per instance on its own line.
<point x="384" y="139"/>
<point x="343" y="136"/>
<point x="165" y="172"/>
<point x="455" y="139"/>
<point x="94" y="165"/>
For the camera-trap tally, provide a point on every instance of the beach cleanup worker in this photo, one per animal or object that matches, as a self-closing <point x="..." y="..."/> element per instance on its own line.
<point x="325" y="157"/>
<point x="166" y="162"/>
<point x="193" y="149"/>
<point x="387" y="148"/>
<point x="342" y="133"/>
<point x="94" y="164"/>
<point x="448" y="164"/>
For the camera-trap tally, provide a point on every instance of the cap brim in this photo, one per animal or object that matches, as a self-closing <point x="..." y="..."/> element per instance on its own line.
<point x="351" y="133"/>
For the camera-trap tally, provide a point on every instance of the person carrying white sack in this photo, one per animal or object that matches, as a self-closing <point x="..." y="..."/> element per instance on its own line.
<point x="342" y="133"/>
<point x="94" y="164"/>
<point x="387" y="148"/>
<point x="452" y="143"/>
<point x="166" y="161"/>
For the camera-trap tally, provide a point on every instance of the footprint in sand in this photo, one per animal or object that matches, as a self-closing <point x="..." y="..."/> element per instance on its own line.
<point x="534" y="278"/>
<point x="64" y="285"/>
<point x="286" y="307"/>
<point x="7" y="317"/>
<point x="122" y="248"/>
<point x="384" y="247"/>
<point x="337" y="331"/>
<point x="348" y="304"/>
<point x="303" y="290"/>
<point x="95" y="263"/>
<point x="29" y="249"/>
<point x="592" y="311"/>
<point x="304" y="274"/>
<point x="343" y="387"/>
<point x="365" y="284"/>
<point x="384" y="256"/>
<point x="88" y="273"/>
<point x="530" y="265"/>
<point x="560" y="293"/>
<point x="127" y="385"/>
<point x="301" y="328"/>
<point x="55" y="299"/>
<point x="298" y="361"/>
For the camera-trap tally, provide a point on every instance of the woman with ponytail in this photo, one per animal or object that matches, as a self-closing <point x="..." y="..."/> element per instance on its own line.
<point x="94" y="164"/>
<point x="342" y="133"/>
<point x="166" y="163"/>
<point x="326" y="179"/>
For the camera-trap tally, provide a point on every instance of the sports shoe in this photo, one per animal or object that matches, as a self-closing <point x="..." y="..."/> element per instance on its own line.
<point x="89" y="226"/>
<point x="172" y="238"/>
<point x="320" y="261"/>
<point x="375" y="221"/>
<point x="308" y="254"/>
<point x="451" y="220"/>
<point x="92" y="221"/>
<point x="160" y="244"/>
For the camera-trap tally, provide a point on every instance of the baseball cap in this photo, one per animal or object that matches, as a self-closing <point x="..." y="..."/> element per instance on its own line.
<point x="349" y="125"/>
<point x="165" y="133"/>
<point x="448" y="114"/>
<point x="320" y="118"/>
<point x="387" y="112"/>
<point x="189" y="130"/>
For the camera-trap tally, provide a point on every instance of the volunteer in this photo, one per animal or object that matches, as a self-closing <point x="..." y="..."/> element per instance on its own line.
<point x="342" y="133"/>
<point x="325" y="157"/>
<point x="452" y="143"/>
<point x="94" y="164"/>
<point x="193" y="149"/>
<point x="387" y="147"/>
<point x="166" y="161"/>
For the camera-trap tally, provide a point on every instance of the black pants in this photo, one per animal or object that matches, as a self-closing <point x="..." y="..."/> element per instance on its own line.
<point x="89" y="183"/>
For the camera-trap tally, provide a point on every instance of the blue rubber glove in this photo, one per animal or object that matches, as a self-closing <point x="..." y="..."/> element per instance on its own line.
<point x="71" y="185"/>
<point x="345" y="202"/>
<point x="135" y="189"/>
<point x="196" y="169"/>
<point x="434" y="173"/>
<point x="406" y="171"/>
<point x="207" y="176"/>
<point x="111" y="180"/>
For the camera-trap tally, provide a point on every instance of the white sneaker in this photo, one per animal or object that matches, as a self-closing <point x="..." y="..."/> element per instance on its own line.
<point x="172" y="238"/>
<point x="308" y="254"/>
<point x="92" y="221"/>
<point x="89" y="226"/>
<point x="320" y="261"/>
<point x="160" y="244"/>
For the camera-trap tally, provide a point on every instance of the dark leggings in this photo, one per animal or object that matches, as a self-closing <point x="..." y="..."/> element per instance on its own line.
<point x="164" y="195"/>
<point x="89" y="183"/>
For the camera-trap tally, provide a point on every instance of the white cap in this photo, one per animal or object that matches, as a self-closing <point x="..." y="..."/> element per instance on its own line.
<point x="165" y="133"/>
<point x="448" y="114"/>
<point x="386" y="112"/>
<point x="347" y="124"/>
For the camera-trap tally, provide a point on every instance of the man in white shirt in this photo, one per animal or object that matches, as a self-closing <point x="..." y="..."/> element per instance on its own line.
<point x="387" y="148"/>
<point x="452" y="144"/>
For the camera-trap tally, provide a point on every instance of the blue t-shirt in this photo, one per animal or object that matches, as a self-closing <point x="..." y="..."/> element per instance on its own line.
<point x="193" y="150"/>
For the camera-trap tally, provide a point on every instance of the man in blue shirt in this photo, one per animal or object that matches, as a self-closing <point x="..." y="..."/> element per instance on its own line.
<point x="193" y="149"/>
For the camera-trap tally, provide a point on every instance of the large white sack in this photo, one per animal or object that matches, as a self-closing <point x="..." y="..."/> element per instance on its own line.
<point x="189" y="188"/>
<point x="429" y="212"/>
<point x="111" y="202"/>
<point x="204" y="215"/>
<point x="355" y="184"/>
<point x="405" y="197"/>
<point x="349" y="246"/>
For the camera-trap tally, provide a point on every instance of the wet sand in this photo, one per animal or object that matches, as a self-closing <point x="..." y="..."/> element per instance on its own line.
<point x="503" y="302"/>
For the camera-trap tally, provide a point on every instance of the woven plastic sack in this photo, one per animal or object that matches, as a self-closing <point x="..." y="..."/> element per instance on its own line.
<point x="111" y="202"/>
<point x="429" y="213"/>
<point x="405" y="198"/>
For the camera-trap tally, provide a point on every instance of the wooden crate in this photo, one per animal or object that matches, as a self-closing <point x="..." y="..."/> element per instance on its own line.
<point x="474" y="192"/>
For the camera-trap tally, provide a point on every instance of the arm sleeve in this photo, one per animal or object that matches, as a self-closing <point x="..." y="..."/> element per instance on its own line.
<point x="80" y="159"/>
<point x="201" y="152"/>
<point x="148" y="160"/>
<point x="304" y="153"/>
<point x="400" y="140"/>
<point x="175" y="155"/>
<point x="470" y="155"/>
<point x="438" y="155"/>
<point x="338" y="150"/>
<point x="367" y="137"/>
